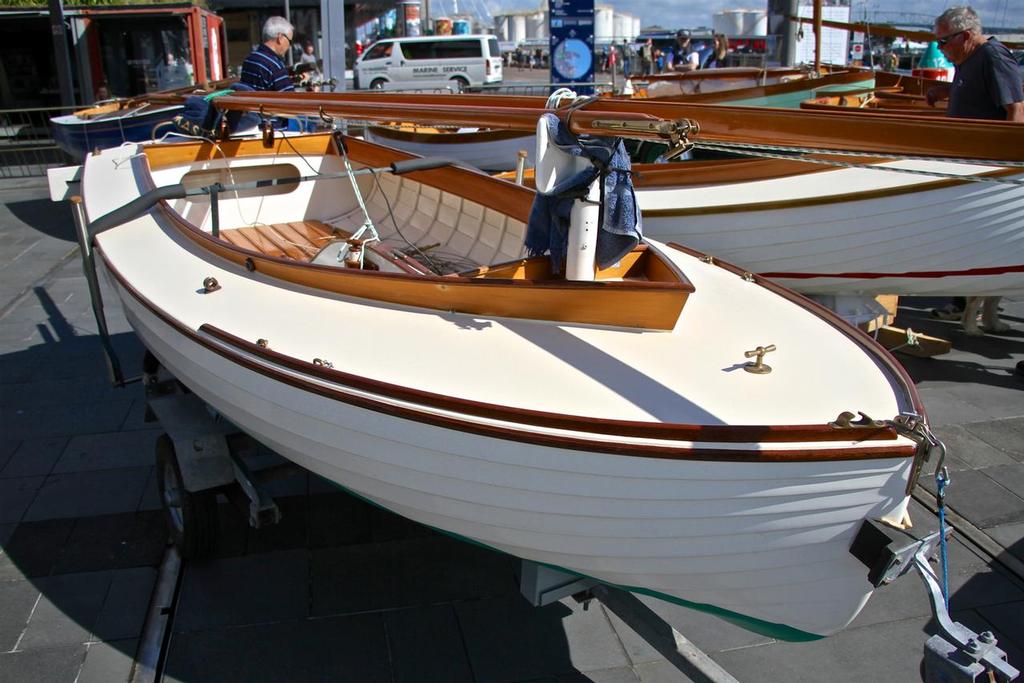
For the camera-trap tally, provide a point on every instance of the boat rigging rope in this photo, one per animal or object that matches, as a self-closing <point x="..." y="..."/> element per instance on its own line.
<point x="767" y="152"/>
<point x="941" y="482"/>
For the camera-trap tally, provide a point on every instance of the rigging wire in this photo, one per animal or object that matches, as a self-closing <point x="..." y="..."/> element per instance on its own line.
<point x="760" y="151"/>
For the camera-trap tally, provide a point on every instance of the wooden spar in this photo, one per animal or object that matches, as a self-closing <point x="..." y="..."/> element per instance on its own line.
<point x="880" y="133"/>
<point x="462" y="111"/>
<point x="890" y="31"/>
<point x="817" y="36"/>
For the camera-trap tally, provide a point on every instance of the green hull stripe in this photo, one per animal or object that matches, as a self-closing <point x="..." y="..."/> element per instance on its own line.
<point x="764" y="628"/>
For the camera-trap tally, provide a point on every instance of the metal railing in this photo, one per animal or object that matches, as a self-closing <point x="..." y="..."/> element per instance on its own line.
<point x="27" y="147"/>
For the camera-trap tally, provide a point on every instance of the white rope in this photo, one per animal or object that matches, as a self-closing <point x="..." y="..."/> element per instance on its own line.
<point x="561" y="94"/>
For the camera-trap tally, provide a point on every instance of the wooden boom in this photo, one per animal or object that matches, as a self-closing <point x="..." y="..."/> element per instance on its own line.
<point x="463" y="111"/>
<point x="846" y="131"/>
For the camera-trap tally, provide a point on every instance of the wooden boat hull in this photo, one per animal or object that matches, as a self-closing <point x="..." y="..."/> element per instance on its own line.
<point x="77" y="136"/>
<point x="856" y="231"/>
<point x="784" y="90"/>
<point x="488" y="150"/>
<point x="584" y="447"/>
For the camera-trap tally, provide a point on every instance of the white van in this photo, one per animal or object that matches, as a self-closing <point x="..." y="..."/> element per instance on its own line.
<point x="458" y="62"/>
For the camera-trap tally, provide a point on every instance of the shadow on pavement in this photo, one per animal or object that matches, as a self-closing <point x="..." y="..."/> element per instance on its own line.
<point x="915" y="313"/>
<point x="40" y="215"/>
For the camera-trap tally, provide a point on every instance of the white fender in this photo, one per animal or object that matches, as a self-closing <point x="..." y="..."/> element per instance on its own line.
<point x="553" y="165"/>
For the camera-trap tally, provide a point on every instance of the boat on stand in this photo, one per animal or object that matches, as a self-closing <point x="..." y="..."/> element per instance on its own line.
<point x="843" y="202"/>
<point x="498" y="150"/>
<point x="666" y="423"/>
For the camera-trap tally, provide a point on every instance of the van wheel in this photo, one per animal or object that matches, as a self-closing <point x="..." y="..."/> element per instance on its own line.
<point x="460" y="84"/>
<point x="377" y="84"/>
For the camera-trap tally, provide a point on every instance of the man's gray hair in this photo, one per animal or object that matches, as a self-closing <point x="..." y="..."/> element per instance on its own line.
<point x="275" y="26"/>
<point x="960" y="19"/>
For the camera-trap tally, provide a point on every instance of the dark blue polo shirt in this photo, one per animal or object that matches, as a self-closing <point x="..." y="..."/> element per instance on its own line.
<point x="264" y="70"/>
<point x="985" y="83"/>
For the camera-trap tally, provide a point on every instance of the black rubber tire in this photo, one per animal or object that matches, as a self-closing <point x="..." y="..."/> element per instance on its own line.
<point x="192" y="523"/>
<point x="377" y="84"/>
<point x="461" y="84"/>
<point x="150" y="364"/>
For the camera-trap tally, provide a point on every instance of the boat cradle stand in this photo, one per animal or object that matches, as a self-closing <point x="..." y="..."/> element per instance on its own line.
<point x="199" y="455"/>
<point x="957" y="654"/>
<point x="542" y="585"/>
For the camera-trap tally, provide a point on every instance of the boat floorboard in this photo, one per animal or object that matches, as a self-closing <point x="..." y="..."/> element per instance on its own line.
<point x="298" y="240"/>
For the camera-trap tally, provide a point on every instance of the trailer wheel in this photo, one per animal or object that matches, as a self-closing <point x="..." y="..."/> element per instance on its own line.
<point x="191" y="516"/>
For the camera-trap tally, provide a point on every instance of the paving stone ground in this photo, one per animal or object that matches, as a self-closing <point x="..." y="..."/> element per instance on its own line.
<point x="343" y="591"/>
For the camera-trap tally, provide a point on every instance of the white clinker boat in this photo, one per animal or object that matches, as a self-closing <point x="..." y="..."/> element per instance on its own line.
<point x="626" y="426"/>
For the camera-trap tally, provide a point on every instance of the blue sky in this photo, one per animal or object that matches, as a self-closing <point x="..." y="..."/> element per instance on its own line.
<point x="680" y="13"/>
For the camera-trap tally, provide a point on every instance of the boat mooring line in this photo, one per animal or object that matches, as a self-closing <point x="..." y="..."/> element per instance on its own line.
<point x="151" y="655"/>
<point x="976" y="536"/>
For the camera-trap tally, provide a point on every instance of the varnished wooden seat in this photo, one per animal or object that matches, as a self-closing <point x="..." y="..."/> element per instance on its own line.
<point x="299" y="240"/>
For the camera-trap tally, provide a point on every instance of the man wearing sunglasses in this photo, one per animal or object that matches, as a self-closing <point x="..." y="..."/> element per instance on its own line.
<point x="264" y="68"/>
<point x="987" y="83"/>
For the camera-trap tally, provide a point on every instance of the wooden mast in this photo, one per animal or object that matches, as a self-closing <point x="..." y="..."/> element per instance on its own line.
<point x="817" y="36"/>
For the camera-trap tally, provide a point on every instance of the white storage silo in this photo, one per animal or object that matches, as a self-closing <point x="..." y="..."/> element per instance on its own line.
<point x="636" y="26"/>
<point x="536" y="25"/>
<point x="729" y="22"/>
<point x="623" y="24"/>
<point x="518" y="25"/>
<point x="755" y="22"/>
<point x="603" y="23"/>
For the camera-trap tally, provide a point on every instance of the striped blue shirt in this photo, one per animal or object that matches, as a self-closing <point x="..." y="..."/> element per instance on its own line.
<point x="264" y="70"/>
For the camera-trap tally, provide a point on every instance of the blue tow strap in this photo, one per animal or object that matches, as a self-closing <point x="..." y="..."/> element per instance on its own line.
<point x="941" y="481"/>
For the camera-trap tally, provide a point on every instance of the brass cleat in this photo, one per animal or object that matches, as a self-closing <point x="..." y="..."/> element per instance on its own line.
<point x="758" y="367"/>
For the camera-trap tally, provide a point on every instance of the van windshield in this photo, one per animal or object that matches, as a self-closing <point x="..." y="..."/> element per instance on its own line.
<point x="379" y="51"/>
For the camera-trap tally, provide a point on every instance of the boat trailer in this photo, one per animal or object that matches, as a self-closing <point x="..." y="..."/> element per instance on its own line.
<point x="202" y="454"/>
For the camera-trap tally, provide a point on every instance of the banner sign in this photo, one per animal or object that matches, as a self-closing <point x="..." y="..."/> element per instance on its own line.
<point x="572" y="42"/>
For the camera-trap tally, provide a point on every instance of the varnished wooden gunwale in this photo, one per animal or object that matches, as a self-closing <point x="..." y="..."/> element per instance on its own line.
<point x="874" y="102"/>
<point x="769" y="90"/>
<point x="727" y="74"/>
<point x="446" y="137"/>
<point x="238" y="351"/>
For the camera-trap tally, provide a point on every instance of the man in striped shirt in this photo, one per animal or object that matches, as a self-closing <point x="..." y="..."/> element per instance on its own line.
<point x="264" y="69"/>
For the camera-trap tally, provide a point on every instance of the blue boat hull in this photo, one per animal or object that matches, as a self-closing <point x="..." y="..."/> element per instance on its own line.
<point x="78" y="136"/>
